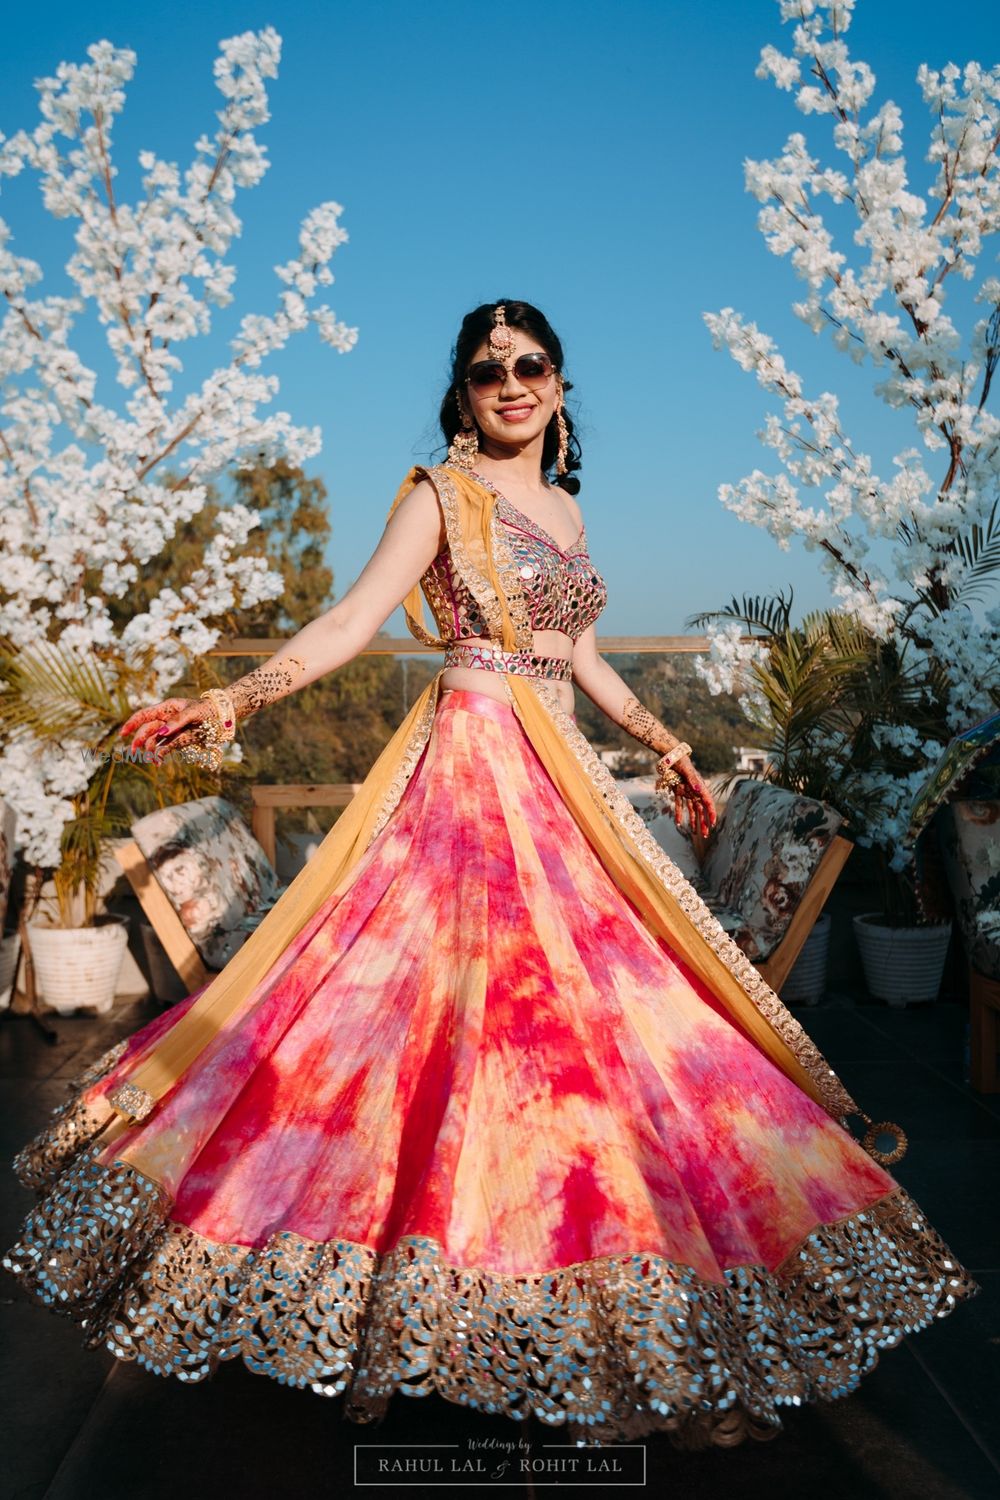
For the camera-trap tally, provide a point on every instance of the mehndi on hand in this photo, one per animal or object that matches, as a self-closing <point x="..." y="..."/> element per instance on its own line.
<point x="675" y="772"/>
<point x="200" y="728"/>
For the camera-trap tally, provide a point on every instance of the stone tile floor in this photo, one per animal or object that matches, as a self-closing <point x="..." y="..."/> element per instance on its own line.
<point x="923" y="1424"/>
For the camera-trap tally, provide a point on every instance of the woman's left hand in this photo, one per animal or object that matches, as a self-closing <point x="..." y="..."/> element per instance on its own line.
<point x="692" y="793"/>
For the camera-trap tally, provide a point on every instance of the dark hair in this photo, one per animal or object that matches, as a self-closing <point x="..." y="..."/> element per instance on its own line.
<point x="475" y="330"/>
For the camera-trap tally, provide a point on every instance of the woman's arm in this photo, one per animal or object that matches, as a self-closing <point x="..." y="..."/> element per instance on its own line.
<point x="613" y="696"/>
<point x="411" y="540"/>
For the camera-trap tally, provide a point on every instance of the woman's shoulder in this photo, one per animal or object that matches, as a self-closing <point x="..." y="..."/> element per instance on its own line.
<point x="573" y="507"/>
<point x="419" y="509"/>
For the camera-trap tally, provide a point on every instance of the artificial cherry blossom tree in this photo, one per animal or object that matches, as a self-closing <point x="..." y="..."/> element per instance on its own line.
<point x="880" y="292"/>
<point x="93" y="487"/>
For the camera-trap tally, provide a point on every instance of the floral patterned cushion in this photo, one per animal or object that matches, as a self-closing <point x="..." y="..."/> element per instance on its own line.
<point x="8" y="823"/>
<point x="213" y="871"/>
<point x="761" y="856"/>
<point x="970" y="843"/>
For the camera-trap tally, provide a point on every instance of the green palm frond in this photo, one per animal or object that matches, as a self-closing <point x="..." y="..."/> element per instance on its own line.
<point x="54" y="691"/>
<point x="804" y="683"/>
<point x="769" y="613"/>
<point x="979" y="549"/>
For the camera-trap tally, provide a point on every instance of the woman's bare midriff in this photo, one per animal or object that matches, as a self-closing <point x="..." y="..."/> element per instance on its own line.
<point x="480" y="680"/>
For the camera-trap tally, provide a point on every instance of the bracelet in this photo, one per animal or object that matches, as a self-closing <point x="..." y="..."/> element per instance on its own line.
<point x="222" y="703"/>
<point x="213" y="733"/>
<point x="677" y="753"/>
<point x="207" y="749"/>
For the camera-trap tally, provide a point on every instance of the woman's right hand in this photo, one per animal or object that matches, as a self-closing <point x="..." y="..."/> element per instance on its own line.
<point x="167" y="725"/>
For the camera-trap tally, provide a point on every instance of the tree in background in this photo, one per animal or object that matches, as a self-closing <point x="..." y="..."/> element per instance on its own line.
<point x="881" y="296"/>
<point x="96" y="495"/>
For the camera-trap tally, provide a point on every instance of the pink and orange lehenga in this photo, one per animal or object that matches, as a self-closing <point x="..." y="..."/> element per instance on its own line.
<point x="490" y="1104"/>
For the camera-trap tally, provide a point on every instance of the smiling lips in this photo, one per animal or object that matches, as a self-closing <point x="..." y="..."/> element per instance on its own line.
<point x="516" y="413"/>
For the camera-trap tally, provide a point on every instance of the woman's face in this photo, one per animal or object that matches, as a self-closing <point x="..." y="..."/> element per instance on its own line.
<point x="514" y="415"/>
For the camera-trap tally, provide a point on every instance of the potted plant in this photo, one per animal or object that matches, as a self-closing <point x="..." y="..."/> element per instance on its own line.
<point x="839" y="713"/>
<point x="55" y="695"/>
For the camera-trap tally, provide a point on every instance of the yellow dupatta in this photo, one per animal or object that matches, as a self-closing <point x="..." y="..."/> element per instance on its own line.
<point x="669" y="906"/>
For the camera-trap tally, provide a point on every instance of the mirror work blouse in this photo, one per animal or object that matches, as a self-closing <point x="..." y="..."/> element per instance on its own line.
<point x="562" y="590"/>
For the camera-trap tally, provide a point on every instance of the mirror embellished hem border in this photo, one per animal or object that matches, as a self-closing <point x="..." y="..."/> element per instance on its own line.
<point x="607" y="1349"/>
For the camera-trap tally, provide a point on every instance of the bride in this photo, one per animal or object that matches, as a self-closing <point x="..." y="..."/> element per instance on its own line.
<point x="489" y="1105"/>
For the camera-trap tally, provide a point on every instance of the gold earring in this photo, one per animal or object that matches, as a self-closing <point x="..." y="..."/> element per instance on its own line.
<point x="465" y="444"/>
<point x="563" y="450"/>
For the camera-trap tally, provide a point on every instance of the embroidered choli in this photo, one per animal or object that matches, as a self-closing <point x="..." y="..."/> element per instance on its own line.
<point x="561" y="590"/>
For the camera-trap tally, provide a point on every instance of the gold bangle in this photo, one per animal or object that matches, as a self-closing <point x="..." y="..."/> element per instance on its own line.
<point x="676" y="752"/>
<point x="222" y="705"/>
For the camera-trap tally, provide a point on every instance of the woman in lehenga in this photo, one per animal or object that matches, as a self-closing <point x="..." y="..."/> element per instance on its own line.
<point x="489" y="1105"/>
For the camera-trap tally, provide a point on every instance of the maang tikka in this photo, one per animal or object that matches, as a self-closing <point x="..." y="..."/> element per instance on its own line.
<point x="464" y="449"/>
<point x="501" y="345"/>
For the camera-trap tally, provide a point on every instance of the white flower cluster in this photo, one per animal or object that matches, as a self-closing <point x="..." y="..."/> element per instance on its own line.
<point x="882" y="299"/>
<point x="727" y="668"/>
<point x="90" y="492"/>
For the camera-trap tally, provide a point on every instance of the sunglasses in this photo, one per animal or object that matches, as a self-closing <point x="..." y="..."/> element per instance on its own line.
<point x="487" y="376"/>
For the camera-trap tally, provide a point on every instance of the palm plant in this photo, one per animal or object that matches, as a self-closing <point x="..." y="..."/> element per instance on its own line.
<point x="56" y="694"/>
<point x="820" y="697"/>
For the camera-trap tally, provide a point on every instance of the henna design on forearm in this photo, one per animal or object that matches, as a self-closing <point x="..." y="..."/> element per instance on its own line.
<point x="646" y="728"/>
<point x="264" y="685"/>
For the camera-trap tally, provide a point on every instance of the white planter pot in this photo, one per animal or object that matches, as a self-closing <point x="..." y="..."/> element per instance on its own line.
<point x="78" y="967"/>
<point x="901" y="964"/>
<point x="806" y="982"/>
<point x="10" y="952"/>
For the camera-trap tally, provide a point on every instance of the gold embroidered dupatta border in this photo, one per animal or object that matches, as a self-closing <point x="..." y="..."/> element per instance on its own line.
<point x="667" y="902"/>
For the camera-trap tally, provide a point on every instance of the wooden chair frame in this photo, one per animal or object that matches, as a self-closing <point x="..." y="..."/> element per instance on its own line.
<point x="267" y="799"/>
<point x="776" y="969"/>
<point x="161" y="916"/>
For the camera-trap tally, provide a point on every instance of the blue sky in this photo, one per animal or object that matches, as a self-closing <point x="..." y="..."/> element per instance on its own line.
<point x="586" y="157"/>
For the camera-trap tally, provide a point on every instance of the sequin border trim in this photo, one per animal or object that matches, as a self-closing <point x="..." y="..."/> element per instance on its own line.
<point x="611" y="1348"/>
<point x="408" y="760"/>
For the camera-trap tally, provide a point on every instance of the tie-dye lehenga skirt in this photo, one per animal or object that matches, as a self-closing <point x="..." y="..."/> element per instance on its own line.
<point x="484" y="1135"/>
